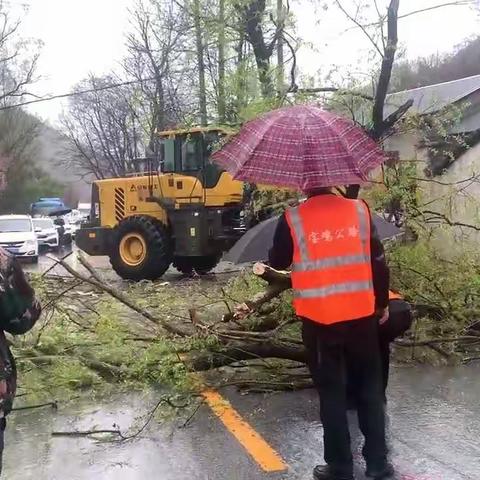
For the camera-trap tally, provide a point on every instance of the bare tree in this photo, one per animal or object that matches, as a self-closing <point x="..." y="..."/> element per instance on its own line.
<point x="18" y="59"/>
<point x="109" y="128"/>
<point x="159" y="59"/>
<point x="103" y="129"/>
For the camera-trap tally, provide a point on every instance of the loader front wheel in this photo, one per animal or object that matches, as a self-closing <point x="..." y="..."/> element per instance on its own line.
<point x="141" y="249"/>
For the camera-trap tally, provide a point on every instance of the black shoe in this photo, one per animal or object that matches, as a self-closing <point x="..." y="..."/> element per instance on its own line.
<point x="385" y="471"/>
<point x="325" y="472"/>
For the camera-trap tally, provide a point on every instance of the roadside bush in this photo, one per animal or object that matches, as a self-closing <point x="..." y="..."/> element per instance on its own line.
<point x="445" y="291"/>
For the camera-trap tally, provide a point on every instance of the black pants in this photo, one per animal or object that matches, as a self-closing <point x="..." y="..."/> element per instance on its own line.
<point x="329" y="350"/>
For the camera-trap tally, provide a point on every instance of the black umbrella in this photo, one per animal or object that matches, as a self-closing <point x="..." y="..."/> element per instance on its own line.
<point x="255" y="244"/>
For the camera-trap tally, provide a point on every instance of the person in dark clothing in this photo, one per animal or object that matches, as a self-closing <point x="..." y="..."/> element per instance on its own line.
<point x="331" y="349"/>
<point x="399" y="321"/>
<point x="400" y="315"/>
<point x="19" y="311"/>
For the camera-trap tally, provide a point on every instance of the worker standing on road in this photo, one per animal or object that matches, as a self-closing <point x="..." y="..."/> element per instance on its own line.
<point x="19" y="310"/>
<point x="340" y="281"/>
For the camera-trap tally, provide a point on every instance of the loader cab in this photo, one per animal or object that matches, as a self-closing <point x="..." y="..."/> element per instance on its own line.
<point x="188" y="152"/>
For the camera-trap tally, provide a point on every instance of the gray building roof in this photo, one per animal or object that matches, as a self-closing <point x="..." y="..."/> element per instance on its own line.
<point x="433" y="98"/>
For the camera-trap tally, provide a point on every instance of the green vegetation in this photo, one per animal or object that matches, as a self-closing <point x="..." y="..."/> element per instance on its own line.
<point x="25" y="185"/>
<point x="87" y="341"/>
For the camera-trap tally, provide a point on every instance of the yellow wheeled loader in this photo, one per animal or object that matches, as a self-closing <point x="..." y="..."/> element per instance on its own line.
<point x="181" y="210"/>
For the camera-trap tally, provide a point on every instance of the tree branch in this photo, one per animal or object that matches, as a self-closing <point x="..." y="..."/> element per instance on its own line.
<point x="444" y="218"/>
<point x="393" y="118"/>
<point x="339" y="91"/>
<point x="460" y="3"/>
<point x="97" y="282"/>
<point x="362" y="27"/>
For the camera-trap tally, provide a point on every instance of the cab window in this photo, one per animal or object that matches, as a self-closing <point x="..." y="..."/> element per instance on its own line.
<point x="167" y="155"/>
<point x="191" y="158"/>
<point x="212" y="172"/>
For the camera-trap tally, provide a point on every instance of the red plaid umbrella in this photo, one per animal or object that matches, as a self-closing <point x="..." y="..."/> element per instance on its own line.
<point x="300" y="147"/>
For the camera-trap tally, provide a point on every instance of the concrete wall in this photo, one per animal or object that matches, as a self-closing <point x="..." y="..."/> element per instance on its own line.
<point x="459" y="199"/>
<point x="406" y="144"/>
<point x="451" y="194"/>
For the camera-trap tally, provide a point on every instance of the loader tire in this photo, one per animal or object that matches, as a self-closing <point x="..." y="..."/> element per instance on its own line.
<point x="200" y="265"/>
<point x="183" y="265"/>
<point x="142" y="249"/>
<point x="204" y="265"/>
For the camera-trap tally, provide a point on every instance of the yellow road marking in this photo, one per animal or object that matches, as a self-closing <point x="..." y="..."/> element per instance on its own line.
<point x="268" y="459"/>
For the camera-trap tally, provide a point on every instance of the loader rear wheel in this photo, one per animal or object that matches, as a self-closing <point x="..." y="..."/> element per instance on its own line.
<point x="141" y="249"/>
<point x="204" y="265"/>
<point x="183" y="265"/>
<point x="201" y="265"/>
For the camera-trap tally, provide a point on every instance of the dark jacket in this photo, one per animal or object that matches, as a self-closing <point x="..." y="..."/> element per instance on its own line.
<point x="281" y="257"/>
<point x="19" y="311"/>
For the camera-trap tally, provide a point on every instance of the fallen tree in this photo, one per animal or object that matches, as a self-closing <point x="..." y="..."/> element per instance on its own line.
<point x="240" y="332"/>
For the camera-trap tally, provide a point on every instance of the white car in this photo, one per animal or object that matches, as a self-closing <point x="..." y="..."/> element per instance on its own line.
<point x="17" y="235"/>
<point x="47" y="233"/>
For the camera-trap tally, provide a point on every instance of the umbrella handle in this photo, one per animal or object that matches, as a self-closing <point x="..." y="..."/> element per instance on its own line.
<point x="352" y="191"/>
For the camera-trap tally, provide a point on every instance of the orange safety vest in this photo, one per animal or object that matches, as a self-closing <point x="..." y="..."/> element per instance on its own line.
<point x="331" y="272"/>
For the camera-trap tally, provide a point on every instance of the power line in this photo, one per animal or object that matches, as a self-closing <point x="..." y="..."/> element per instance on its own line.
<point x="79" y="92"/>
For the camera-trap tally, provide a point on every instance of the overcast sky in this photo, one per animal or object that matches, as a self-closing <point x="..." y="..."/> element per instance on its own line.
<point x="83" y="36"/>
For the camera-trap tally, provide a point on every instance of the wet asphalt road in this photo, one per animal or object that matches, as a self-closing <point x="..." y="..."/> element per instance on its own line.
<point x="46" y="262"/>
<point x="434" y="434"/>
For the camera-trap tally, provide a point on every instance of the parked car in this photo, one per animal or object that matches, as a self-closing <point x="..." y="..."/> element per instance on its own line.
<point x="45" y="206"/>
<point x="17" y="235"/>
<point x="47" y="233"/>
